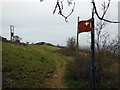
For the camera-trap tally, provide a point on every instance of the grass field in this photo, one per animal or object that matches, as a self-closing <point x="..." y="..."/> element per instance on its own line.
<point x="28" y="66"/>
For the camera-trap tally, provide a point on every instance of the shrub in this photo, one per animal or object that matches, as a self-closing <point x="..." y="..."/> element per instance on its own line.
<point x="106" y="69"/>
<point x="71" y="43"/>
<point x="78" y="70"/>
<point x="105" y="78"/>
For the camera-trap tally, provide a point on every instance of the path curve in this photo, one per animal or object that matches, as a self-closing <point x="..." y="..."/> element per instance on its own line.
<point x="57" y="78"/>
<point x="57" y="81"/>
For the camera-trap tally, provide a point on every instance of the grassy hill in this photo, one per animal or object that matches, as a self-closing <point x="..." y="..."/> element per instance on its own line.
<point x="27" y="66"/>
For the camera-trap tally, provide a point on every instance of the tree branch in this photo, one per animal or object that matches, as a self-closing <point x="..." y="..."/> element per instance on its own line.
<point x="105" y="8"/>
<point x="102" y="18"/>
<point x="59" y="5"/>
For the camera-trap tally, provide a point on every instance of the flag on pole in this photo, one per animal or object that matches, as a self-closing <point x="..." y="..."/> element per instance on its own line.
<point x="84" y="26"/>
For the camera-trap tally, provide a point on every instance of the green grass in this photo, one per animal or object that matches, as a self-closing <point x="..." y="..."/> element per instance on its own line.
<point x="73" y="83"/>
<point x="28" y="66"/>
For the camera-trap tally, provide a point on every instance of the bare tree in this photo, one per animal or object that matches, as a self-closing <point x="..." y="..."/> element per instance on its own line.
<point x="102" y="40"/>
<point x="102" y="37"/>
<point x="71" y="43"/>
<point x="114" y="45"/>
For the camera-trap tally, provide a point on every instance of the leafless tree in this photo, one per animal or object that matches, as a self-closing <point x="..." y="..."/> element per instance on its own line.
<point x="102" y="40"/>
<point x="71" y="43"/>
<point x="114" y="45"/>
<point x="101" y="36"/>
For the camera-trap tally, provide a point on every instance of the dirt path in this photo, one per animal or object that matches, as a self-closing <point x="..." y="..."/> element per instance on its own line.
<point x="56" y="81"/>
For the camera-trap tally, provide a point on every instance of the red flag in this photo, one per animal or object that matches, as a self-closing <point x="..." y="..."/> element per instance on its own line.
<point x="84" y="26"/>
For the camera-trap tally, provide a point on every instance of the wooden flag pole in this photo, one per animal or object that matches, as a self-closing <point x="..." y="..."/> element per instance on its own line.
<point x="77" y="34"/>
<point x="93" y="68"/>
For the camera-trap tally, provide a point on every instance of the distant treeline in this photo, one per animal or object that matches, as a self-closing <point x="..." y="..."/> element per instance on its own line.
<point x="15" y="42"/>
<point x="48" y="44"/>
<point x="22" y="43"/>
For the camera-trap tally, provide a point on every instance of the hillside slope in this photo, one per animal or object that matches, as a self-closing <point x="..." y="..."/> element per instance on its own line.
<point x="28" y="66"/>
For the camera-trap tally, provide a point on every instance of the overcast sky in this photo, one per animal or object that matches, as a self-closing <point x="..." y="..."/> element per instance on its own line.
<point x="34" y="21"/>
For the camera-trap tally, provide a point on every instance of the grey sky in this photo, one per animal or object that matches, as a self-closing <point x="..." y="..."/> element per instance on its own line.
<point x="34" y="21"/>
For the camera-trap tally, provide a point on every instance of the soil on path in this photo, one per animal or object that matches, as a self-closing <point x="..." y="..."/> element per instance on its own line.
<point x="56" y="81"/>
<point x="57" y="78"/>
